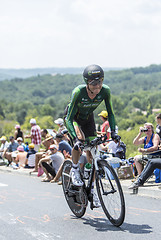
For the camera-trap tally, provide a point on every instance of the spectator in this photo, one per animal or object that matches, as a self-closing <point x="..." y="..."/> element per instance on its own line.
<point x="112" y="147"/>
<point x="21" y="156"/>
<point x="4" y="146"/>
<point x="158" y="127"/>
<point x="151" y="165"/>
<point x="150" y="141"/>
<point x="10" y="152"/>
<point x="105" y="126"/>
<point x="47" y="137"/>
<point x="54" y="162"/>
<point x="20" y="142"/>
<point x="60" y="123"/>
<point x="30" y="158"/>
<point x="26" y="147"/>
<point x="61" y="129"/>
<point x="40" y="155"/>
<point x="63" y="145"/>
<point x="82" y="162"/>
<point x="35" y="134"/>
<point x="18" y="132"/>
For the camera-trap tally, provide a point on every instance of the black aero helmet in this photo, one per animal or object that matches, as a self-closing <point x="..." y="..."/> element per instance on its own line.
<point x="93" y="72"/>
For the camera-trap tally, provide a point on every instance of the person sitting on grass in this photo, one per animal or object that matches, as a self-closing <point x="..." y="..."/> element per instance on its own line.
<point x="40" y="155"/>
<point x="63" y="145"/>
<point x="21" y="156"/>
<point x="10" y="152"/>
<point x="52" y="163"/>
<point x="30" y="158"/>
<point x="4" y="146"/>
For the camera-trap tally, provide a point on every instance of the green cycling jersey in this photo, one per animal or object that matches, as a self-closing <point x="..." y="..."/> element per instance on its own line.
<point x="81" y="106"/>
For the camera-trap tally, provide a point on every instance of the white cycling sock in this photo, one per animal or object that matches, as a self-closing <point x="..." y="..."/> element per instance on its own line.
<point x="75" y="165"/>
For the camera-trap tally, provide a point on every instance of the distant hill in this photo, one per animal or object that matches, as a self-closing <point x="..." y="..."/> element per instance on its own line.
<point x="8" y="74"/>
<point x="40" y="87"/>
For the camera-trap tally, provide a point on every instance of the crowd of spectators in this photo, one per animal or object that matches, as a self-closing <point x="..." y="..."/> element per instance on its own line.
<point x="45" y="151"/>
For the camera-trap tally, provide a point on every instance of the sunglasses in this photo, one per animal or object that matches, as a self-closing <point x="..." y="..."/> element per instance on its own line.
<point x="95" y="82"/>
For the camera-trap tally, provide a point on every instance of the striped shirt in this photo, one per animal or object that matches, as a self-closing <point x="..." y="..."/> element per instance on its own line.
<point x="36" y="134"/>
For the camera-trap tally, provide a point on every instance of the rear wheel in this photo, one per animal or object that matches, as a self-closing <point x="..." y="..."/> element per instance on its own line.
<point x="76" y="197"/>
<point x="110" y="193"/>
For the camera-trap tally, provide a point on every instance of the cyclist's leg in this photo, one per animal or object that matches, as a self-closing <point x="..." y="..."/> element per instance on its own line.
<point x="84" y="128"/>
<point x="75" y="174"/>
<point x="89" y="130"/>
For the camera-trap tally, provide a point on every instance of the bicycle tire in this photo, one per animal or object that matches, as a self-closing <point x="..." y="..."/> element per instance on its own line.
<point x="77" y="201"/>
<point x="112" y="199"/>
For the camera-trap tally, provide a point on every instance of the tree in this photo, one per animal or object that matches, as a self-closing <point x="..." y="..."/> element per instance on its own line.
<point x="2" y="112"/>
<point x="149" y="108"/>
<point x="21" y="116"/>
<point x="136" y="102"/>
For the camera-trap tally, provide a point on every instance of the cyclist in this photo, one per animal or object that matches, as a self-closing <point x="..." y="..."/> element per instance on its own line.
<point x="85" y="99"/>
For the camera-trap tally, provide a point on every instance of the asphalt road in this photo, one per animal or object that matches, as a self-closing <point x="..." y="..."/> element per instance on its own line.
<point x="30" y="209"/>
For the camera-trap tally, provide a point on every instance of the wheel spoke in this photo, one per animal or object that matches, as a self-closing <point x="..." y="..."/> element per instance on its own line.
<point x="110" y="194"/>
<point x="75" y="197"/>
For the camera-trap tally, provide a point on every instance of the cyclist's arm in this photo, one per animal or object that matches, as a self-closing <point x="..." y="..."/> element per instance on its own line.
<point x="72" y="110"/>
<point x="108" y="103"/>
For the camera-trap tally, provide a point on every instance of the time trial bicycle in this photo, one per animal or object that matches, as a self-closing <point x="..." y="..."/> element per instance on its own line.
<point x="108" y="186"/>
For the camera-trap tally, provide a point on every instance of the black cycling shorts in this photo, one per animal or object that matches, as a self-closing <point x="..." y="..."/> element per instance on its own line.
<point x="87" y="126"/>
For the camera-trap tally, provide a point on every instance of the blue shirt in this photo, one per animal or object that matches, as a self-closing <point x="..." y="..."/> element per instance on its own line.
<point x="149" y="144"/>
<point x="63" y="145"/>
<point x="13" y="146"/>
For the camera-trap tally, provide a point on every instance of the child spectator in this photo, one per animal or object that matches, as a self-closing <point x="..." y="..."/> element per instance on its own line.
<point x="20" y="142"/>
<point x="21" y="156"/>
<point x="26" y="147"/>
<point x="30" y="158"/>
<point x="105" y="126"/>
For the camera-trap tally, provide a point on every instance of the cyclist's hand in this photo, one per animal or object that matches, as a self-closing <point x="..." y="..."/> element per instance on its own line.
<point x="77" y="144"/>
<point x="114" y="136"/>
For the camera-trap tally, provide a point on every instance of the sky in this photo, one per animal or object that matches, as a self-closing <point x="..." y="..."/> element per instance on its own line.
<point x="77" y="33"/>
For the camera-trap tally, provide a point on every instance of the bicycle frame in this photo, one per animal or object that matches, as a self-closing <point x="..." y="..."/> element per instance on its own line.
<point x="95" y="158"/>
<point x="78" y="197"/>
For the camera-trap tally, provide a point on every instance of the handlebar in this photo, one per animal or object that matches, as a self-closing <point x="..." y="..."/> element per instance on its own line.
<point x="96" y="141"/>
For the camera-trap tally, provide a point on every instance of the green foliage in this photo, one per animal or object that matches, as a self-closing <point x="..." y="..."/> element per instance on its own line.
<point x="7" y="128"/>
<point x="135" y="92"/>
<point x="136" y="102"/>
<point x="46" y="122"/>
<point x="127" y="137"/>
<point x="20" y="117"/>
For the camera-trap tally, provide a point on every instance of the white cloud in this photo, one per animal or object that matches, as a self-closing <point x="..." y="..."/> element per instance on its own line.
<point x="49" y="33"/>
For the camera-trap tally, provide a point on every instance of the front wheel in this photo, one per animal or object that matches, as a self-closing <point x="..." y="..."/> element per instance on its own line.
<point x="110" y="193"/>
<point x="76" y="197"/>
